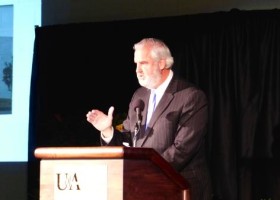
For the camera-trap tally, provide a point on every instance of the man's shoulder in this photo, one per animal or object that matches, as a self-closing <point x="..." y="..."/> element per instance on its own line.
<point x="184" y="86"/>
<point x="182" y="83"/>
<point x="141" y="90"/>
<point x="140" y="93"/>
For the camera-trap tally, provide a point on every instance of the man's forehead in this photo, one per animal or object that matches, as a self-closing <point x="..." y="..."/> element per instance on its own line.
<point x="142" y="54"/>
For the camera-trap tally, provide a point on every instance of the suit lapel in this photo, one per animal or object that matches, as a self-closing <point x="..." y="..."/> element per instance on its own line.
<point x="161" y="107"/>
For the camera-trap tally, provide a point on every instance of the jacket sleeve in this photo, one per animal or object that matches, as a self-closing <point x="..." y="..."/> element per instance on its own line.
<point x="190" y="137"/>
<point x="119" y="139"/>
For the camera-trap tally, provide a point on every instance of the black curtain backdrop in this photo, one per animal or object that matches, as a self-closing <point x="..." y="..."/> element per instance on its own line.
<point x="233" y="56"/>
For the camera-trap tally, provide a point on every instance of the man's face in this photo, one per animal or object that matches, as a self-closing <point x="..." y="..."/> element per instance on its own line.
<point x="148" y="70"/>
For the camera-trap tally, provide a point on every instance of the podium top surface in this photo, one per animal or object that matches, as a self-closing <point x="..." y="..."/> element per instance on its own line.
<point x="93" y="152"/>
<point x="78" y="152"/>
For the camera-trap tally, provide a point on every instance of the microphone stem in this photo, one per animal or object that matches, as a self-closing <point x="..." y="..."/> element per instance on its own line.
<point x="136" y="130"/>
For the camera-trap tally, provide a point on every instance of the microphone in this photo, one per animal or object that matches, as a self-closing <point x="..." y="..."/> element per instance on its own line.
<point x="138" y="107"/>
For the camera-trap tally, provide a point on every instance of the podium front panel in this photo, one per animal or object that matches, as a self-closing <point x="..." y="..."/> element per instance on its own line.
<point x="81" y="179"/>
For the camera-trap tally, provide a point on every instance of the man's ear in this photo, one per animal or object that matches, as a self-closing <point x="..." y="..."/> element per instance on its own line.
<point x="162" y="64"/>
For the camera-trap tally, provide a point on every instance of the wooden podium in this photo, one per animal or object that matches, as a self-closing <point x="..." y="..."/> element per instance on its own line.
<point x="107" y="173"/>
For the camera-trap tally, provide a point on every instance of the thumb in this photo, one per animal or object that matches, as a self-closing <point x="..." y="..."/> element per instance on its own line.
<point x="111" y="111"/>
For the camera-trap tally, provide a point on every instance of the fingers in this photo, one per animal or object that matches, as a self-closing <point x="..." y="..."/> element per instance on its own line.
<point x="92" y="115"/>
<point x="111" y="111"/>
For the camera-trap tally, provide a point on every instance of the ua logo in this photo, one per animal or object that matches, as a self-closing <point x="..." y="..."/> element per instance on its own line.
<point x="67" y="181"/>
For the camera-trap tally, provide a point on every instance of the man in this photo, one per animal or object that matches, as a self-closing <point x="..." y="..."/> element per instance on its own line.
<point x="174" y="114"/>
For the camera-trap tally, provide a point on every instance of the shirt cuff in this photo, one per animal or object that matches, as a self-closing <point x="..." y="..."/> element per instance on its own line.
<point x="107" y="139"/>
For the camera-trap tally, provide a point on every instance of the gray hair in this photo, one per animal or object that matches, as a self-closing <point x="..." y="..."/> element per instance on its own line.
<point x="159" y="50"/>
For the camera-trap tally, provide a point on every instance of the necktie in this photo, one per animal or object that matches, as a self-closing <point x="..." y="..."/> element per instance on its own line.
<point x="154" y="102"/>
<point x="151" y="108"/>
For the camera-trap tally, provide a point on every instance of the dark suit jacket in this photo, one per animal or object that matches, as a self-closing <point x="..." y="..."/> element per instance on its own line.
<point x="176" y="131"/>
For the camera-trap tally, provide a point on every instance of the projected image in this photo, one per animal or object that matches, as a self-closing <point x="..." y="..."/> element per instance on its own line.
<point x="6" y="59"/>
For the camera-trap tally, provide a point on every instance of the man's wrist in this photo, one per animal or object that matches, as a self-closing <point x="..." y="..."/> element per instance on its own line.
<point x="107" y="133"/>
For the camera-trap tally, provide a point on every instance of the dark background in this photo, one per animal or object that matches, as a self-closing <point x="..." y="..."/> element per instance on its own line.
<point x="233" y="56"/>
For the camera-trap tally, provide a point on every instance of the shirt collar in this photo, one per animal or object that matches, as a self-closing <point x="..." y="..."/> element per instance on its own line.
<point x="161" y="89"/>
